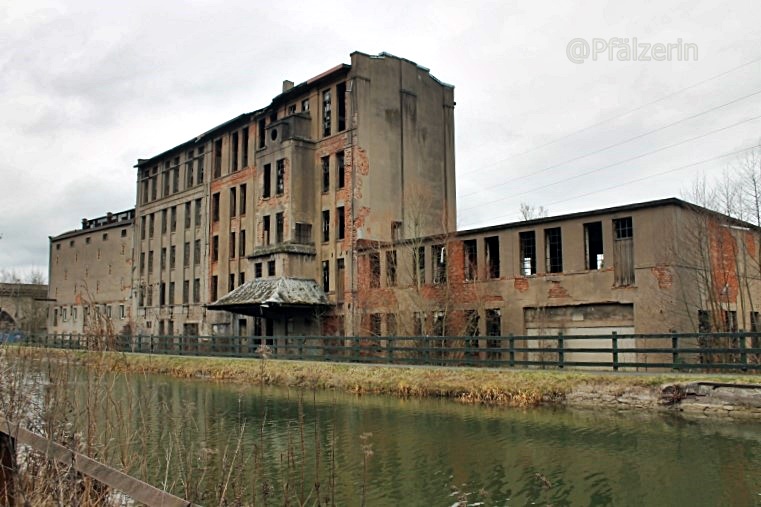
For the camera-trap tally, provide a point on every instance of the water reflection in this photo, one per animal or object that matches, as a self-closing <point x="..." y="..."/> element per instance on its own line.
<point x="431" y="452"/>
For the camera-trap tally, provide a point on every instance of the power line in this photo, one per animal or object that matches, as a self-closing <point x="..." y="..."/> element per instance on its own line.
<point x="636" y="180"/>
<point x="639" y="136"/>
<point x="621" y="115"/>
<point x="710" y="132"/>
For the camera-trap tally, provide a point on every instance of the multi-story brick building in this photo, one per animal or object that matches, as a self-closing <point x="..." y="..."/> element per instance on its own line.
<point x="90" y="275"/>
<point x="332" y="211"/>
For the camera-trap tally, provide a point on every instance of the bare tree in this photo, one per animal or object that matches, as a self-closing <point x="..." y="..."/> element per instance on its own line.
<point x="531" y="212"/>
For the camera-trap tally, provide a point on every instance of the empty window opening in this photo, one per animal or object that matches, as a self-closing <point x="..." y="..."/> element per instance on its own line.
<point x="215" y="207"/>
<point x="553" y="245"/>
<point x="231" y="282"/>
<point x="215" y="248"/>
<point x="470" y="259"/>
<point x="186" y="255"/>
<point x="280" y="175"/>
<point x="242" y="244"/>
<point x="491" y="245"/>
<point x="271" y="268"/>
<point x="233" y="202"/>
<point x="305" y="105"/>
<point x="341" y="218"/>
<point x="593" y="245"/>
<point x="527" y="244"/>
<point x="439" y="253"/>
<point x="391" y="268"/>
<point x="172" y="256"/>
<point x="163" y="223"/>
<point x="325" y="162"/>
<point x="214" y="287"/>
<point x="232" y="245"/>
<point x="704" y="321"/>
<point x="326" y="113"/>
<point x="418" y="265"/>
<point x="304" y="233"/>
<point x="218" y="158"/>
<point x="341" y="97"/>
<point x="244" y="147"/>
<point x="325" y="225"/>
<point x="279" y="226"/>
<point x="242" y="199"/>
<point x="326" y="276"/>
<point x="396" y="231"/>
<point x="375" y="324"/>
<point x="623" y="251"/>
<point x="199" y="167"/>
<point x="187" y="215"/>
<point x="258" y="270"/>
<point x="198" y="212"/>
<point x="340" y="169"/>
<point x="375" y="269"/>
<point x="266" y="230"/>
<point x="729" y="321"/>
<point x="173" y="218"/>
<point x="266" y="181"/>
<point x="260" y="133"/>
<point x="197" y="252"/>
<point x="340" y="274"/>
<point x="234" y="152"/>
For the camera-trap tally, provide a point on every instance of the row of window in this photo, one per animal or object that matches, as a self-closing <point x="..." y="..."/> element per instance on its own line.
<point x="88" y="239"/>
<point x="241" y="245"/>
<point x="166" y="293"/>
<point x="237" y="199"/>
<point x="340" y="171"/>
<point x="170" y="176"/>
<point x="72" y="312"/>
<point x="170" y="254"/>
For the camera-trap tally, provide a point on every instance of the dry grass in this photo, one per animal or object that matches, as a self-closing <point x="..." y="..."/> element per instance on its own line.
<point x="519" y="388"/>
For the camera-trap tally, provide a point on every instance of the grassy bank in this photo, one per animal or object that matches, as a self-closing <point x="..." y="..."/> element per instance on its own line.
<point x="519" y="388"/>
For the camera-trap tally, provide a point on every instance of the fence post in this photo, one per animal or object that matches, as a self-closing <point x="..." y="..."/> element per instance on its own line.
<point x="743" y="353"/>
<point x="561" y="352"/>
<point x="511" y="349"/>
<point x="390" y="349"/>
<point x="8" y="469"/>
<point x="615" y="351"/>
<point x="674" y="351"/>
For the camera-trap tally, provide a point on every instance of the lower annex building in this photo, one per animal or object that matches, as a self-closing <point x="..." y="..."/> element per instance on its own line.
<point x="331" y="211"/>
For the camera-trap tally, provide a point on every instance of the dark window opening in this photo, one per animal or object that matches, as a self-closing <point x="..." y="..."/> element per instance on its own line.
<point x="553" y="245"/>
<point x="197" y="252"/>
<point x="340" y="169"/>
<point x="439" y="253"/>
<point x="375" y="324"/>
<point x="341" y="217"/>
<point x="231" y="282"/>
<point x="271" y="268"/>
<point x="279" y="225"/>
<point x="244" y="146"/>
<point x="258" y="270"/>
<point x="492" y="257"/>
<point x="266" y="230"/>
<point x="326" y="113"/>
<point x="163" y="221"/>
<point x="305" y="105"/>
<point x="185" y="292"/>
<point x="391" y="268"/>
<point x="326" y="276"/>
<point x="233" y="202"/>
<point x="493" y="322"/>
<point x="260" y="133"/>
<point x="214" y="288"/>
<point x="162" y="294"/>
<point x="243" y="199"/>
<point x="593" y="245"/>
<point x="418" y="265"/>
<point x="232" y="245"/>
<point x="755" y="323"/>
<point x="729" y="321"/>
<point x="234" y="152"/>
<point x="218" y="158"/>
<point x="304" y="233"/>
<point x="341" y="97"/>
<point x="242" y="244"/>
<point x="396" y="231"/>
<point x="325" y="173"/>
<point x="325" y="225"/>
<point x="215" y="248"/>
<point x="527" y="241"/>
<point x="375" y="269"/>
<point x="704" y="321"/>
<point x="187" y="215"/>
<point x="340" y="274"/>
<point x="267" y="181"/>
<point x="280" y="175"/>
<point x="215" y="207"/>
<point x="199" y="167"/>
<point x="198" y="212"/>
<point x="186" y="255"/>
<point x="471" y="259"/>
<point x="173" y="219"/>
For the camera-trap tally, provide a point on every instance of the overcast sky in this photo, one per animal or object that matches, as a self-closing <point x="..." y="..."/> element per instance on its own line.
<point x="86" y="88"/>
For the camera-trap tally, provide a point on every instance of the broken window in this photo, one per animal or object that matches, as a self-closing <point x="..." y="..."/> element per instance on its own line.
<point x="593" y="245"/>
<point x="215" y="248"/>
<point x="187" y="215"/>
<point x="271" y="268"/>
<point x="172" y="256"/>
<point x="471" y="324"/>
<point x="142" y="262"/>
<point x="266" y="181"/>
<point x="243" y="199"/>
<point x="418" y="265"/>
<point x="244" y="146"/>
<point x="231" y="282"/>
<point x="553" y="245"/>
<point x="266" y="230"/>
<point x="391" y="268"/>
<point x="215" y="207"/>
<point x="166" y="177"/>
<point x="154" y="187"/>
<point x="280" y="175"/>
<point x="326" y="276"/>
<point x="232" y="245"/>
<point x="218" y="158"/>
<point x="417" y="324"/>
<point x="305" y="105"/>
<point x="325" y="225"/>
<point x="260" y="133"/>
<point x="143" y="220"/>
<point x="185" y="291"/>
<point x="197" y="290"/>
<point x="170" y="295"/>
<point x="304" y="233"/>
<point x="186" y="255"/>
<point x="755" y="322"/>
<point x="173" y="219"/>
<point x="197" y="252"/>
<point x="163" y="221"/>
<point x="623" y="251"/>
<point x="729" y="321"/>
<point x="162" y="262"/>
<point x="214" y="287"/>
<point x="242" y="244"/>
<point x="162" y="294"/>
<point x="258" y="270"/>
<point x="340" y="169"/>
<point x="470" y="259"/>
<point x="325" y="162"/>
<point x="326" y="113"/>
<point x="493" y="322"/>
<point x="341" y="97"/>
<point x="189" y="169"/>
<point x="198" y="213"/>
<point x="704" y="321"/>
<point x="396" y="231"/>
<point x="234" y="152"/>
<point x="199" y="167"/>
<point x="527" y="244"/>
<point x="375" y="324"/>
<point x="439" y="253"/>
<point x="341" y="217"/>
<point x="439" y="324"/>
<point x="491" y="245"/>
<point x="176" y="178"/>
<point x="375" y="269"/>
<point x="340" y="274"/>
<point x="233" y="202"/>
<point x="279" y="225"/>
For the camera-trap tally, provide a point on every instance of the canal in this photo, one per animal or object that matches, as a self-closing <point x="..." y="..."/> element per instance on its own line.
<point x="204" y="440"/>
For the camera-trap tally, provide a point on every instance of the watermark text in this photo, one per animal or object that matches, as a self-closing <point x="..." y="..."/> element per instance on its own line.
<point x="624" y="49"/>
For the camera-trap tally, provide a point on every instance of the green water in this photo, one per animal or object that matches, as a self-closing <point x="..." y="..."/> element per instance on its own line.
<point x="420" y="452"/>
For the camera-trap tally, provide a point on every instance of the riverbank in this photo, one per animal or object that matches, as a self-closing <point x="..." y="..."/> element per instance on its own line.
<point x="515" y="388"/>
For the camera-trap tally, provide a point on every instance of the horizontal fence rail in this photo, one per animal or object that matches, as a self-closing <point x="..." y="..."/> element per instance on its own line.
<point x="683" y="351"/>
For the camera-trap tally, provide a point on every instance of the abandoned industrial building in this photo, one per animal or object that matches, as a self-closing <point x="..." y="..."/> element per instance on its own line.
<point x="331" y="212"/>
